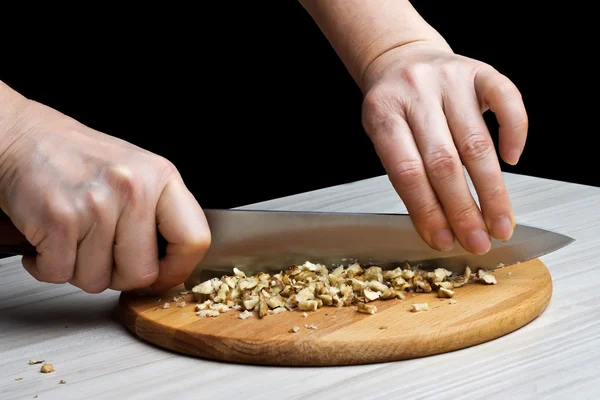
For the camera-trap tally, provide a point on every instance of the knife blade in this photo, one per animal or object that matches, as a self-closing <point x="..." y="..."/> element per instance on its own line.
<point x="271" y="240"/>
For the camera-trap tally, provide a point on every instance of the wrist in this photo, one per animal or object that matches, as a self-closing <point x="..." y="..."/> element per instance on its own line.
<point x="399" y="54"/>
<point x="12" y="105"/>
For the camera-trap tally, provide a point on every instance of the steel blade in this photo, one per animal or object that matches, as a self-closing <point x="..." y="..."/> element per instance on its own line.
<point x="264" y="240"/>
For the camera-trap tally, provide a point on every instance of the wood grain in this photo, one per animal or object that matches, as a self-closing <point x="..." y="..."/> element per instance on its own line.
<point x="344" y="336"/>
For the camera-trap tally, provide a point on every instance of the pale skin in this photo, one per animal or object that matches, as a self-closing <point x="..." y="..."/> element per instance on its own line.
<point x="91" y="203"/>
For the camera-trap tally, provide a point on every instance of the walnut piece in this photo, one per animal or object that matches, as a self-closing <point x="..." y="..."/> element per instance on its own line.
<point x="445" y="293"/>
<point x="245" y="314"/>
<point x="367" y="308"/>
<point x="420" y="307"/>
<point x="207" y="313"/>
<point x="310" y="286"/>
<point x="294" y="329"/>
<point x="47" y="368"/>
<point x="486" y="277"/>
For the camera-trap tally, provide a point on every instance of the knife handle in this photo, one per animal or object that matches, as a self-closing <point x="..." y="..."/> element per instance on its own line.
<point x="14" y="243"/>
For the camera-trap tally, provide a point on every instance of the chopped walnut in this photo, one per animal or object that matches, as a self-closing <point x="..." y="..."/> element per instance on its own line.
<point x="367" y="308"/>
<point x="220" y="307"/>
<point x="47" y="368"/>
<point x="445" y="293"/>
<point x="277" y="310"/>
<point x="207" y="313"/>
<point x="311" y="286"/>
<point x="486" y="277"/>
<point x="245" y="314"/>
<point x="294" y="329"/>
<point x="420" y="307"/>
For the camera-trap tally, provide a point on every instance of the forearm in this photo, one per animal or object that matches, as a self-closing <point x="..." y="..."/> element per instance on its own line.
<point x="360" y="31"/>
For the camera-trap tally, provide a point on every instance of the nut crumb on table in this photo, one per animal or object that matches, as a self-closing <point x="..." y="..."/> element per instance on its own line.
<point x="47" y="368"/>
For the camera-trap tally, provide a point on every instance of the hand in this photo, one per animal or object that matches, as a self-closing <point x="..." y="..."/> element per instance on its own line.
<point x="92" y="203"/>
<point x="423" y="112"/>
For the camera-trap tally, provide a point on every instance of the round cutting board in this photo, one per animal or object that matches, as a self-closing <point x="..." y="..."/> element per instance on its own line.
<point x="344" y="336"/>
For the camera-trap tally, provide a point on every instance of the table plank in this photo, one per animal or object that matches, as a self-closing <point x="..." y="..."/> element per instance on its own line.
<point x="554" y="356"/>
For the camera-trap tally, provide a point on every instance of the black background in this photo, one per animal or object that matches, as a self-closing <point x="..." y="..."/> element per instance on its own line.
<point x="250" y="101"/>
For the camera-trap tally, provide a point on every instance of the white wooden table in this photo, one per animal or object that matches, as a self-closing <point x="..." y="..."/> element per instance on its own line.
<point x="555" y="356"/>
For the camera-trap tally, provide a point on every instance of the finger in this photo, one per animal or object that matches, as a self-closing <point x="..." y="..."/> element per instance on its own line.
<point x="396" y="148"/>
<point x="135" y="247"/>
<point x="182" y="223"/>
<point x="477" y="151"/>
<point x="496" y="92"/>
<point x="57" y="251"/>
<point x="446" y="175"/>
<point x="94" y="265"/>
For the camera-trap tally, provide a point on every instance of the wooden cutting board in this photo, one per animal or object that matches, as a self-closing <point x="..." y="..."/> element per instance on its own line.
<point x="344" y="336"/>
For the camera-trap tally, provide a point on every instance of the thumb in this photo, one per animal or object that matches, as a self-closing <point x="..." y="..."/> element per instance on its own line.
<point x="182" y="223"/>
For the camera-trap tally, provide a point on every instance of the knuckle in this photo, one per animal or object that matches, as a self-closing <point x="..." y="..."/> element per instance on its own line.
<point x="198" y="243"/>
<point x="442" y="164"/>
<point x="494" y="194"/>
<point x="123" y="181"/>
<point x="426" y="213"/>
<point x="465" y="214"/>
<point x="520" y="126"/>
<point x="61" y="215"/>
<point x="504" y="88"/>
<point x="476" y="146"/>
<point x="407" y="173"/>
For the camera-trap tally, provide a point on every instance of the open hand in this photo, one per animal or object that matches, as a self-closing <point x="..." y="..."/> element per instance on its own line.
<point x="423" y="111"/>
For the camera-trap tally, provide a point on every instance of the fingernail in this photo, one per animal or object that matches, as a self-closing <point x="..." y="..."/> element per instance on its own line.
<point x="513" y="156"/>
<point x="443" y="240"/>
<point x="479" y="241"/>
<point x="502" y="228"/>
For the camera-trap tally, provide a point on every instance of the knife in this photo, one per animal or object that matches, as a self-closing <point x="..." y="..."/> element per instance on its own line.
<point x="269" y="241"/>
